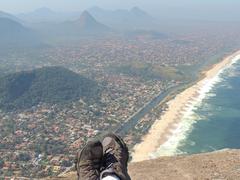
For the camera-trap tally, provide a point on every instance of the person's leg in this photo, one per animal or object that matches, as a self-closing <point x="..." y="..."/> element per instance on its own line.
<point x="89" y="161"/>
<point x="115" y="158"/>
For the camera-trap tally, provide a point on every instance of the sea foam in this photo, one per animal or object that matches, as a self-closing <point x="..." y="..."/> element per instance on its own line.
<point x="190" y="117"/>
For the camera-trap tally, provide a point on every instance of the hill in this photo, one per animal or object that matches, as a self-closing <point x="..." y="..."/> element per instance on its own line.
<point x="85" y="25"/>
<point x="122" y="19"/>
<point x="39" y="15"/>
<point x="52" y="85"/>
<point x="9" y="16"/>
<point x="147" y="71"/>
<point x="43" y="15"/>
<point x="14" y="34"/>
<point x="216" y="165"/>
<point x="87" y="21"/>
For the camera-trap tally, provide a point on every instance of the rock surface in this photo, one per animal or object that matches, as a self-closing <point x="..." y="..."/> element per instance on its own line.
<point x="219" y="165"/>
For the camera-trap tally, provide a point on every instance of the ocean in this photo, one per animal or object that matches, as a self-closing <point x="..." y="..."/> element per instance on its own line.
<point x="212" y="121"/>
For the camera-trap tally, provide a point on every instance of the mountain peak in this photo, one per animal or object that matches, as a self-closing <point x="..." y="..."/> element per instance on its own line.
<point x="43" y="10"/>
<point x="85" y="25"/>
<point x="88" y="22"/>
<point x="137" y="11"/>
<point x="95" y="8"/>
<point x="86" y="17"/>
<point x="85" y="13"/>
<point x="136" y="8"/>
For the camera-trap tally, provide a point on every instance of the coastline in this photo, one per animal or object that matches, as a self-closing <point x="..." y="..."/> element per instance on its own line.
<point x="178" y="108"/>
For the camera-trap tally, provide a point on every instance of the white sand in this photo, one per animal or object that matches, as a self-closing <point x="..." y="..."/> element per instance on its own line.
<point x="162" y="128"/>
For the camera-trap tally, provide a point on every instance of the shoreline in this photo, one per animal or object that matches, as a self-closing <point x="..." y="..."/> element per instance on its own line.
<point x="179" y="107"/>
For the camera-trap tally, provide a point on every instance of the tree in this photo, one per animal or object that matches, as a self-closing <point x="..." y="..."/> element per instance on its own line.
<point x="1" y="163"/>
<point x="24" y="157"/>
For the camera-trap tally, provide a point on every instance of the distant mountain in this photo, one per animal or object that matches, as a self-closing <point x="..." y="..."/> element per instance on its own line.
<point x="122" y="19"/>
<point x="139" y="12"/>
<point x="43" y="12"/>
<point x="86" y="25"/>
<point x="47" y="15"/>
<point x="52" y="85"/>
<point x="39" y="15"/>
<point x="14" y="34"/>
<point x="9" y="16"/>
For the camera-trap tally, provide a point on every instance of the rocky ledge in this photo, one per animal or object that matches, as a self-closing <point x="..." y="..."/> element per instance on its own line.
<point x="218" y="165"/>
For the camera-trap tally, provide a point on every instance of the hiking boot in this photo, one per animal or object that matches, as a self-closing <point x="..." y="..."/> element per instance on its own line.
<point x="115" y="158"/>
<point x="88" y="161"/>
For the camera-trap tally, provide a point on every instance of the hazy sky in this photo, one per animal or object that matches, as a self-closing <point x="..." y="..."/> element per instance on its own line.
<point x="64" y="5"/>
<point x="212" y="9"/>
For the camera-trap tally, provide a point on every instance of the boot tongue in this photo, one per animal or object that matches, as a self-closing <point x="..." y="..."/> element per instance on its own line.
<point x="108" y="143"/>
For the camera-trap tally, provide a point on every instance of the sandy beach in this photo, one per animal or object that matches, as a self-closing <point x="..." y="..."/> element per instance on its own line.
<point x="178" y="107"/>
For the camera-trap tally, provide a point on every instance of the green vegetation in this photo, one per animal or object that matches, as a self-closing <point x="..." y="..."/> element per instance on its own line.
<point x="51" y="85"/>
<point x="149" y="71"/>
<point x="8" y="128"/>
<point x="1" y="163"/>
<point x="23" y="157"/>
<point x="49" y="147"/>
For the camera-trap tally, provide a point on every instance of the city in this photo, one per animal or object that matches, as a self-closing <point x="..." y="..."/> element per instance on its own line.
<point x="43" y="140"/>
